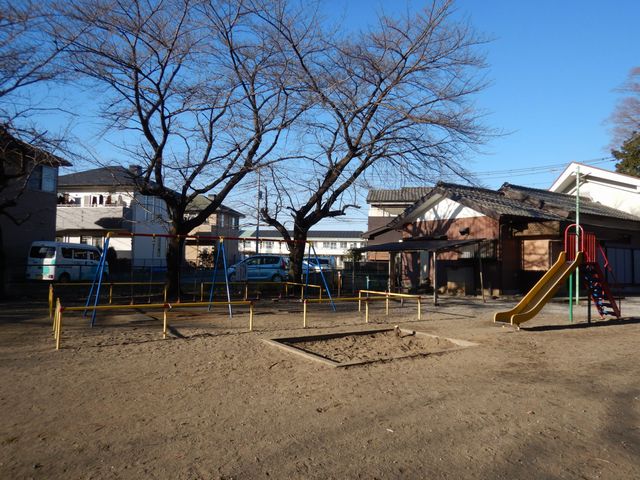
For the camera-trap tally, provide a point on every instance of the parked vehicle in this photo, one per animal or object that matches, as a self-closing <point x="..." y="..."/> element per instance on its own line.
<point x="317" y="264"/>
<point x="273" y="268"/>
<point x="65" y="262"/>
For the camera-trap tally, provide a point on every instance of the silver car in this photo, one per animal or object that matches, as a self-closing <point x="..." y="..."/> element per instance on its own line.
<point x="274" y="268"/>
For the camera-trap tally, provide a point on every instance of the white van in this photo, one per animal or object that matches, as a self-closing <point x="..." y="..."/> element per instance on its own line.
<point x="64" y="262"/>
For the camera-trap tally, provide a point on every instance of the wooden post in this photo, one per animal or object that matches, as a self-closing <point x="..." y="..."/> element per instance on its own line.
<point x="419" y="309"/>
<point x="359" y="301"/>
<point x="387" y="304"/>
<point x="366" y="310"/>
<point x="110" y="293"/>
<point x="51" y="307"/>
<point x="251" y="317"/>
<point x="59" y="326"/>
<point x="304" y="314"/>
<point x="164" y="323"/>
<point x="435" y="278"/>
<point x="55" y="319"/>
<point x="484" y="300"/>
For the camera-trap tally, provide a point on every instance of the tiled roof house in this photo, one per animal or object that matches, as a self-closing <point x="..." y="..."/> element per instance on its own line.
<point x="522" y="229"/>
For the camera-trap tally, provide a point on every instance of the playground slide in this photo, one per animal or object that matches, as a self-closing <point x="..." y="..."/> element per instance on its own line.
<point x="541" y="292"/>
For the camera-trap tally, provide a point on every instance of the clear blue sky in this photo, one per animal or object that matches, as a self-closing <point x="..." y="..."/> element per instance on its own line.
<point x="553" y="67"/>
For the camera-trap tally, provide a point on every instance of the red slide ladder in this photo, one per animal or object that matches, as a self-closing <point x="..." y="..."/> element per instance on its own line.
<point x="593" y="276"/>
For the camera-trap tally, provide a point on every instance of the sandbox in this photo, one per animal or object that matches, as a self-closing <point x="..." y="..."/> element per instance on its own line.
<point x="360" y="347"/>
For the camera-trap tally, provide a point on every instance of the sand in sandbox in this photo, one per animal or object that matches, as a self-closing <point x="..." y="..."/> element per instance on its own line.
<point x="374" y="346"/>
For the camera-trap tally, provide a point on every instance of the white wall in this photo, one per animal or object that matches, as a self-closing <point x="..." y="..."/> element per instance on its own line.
<point x="448" y="209"/>
<point x="626" y="201"/>
<point x="612" y="189"/>
<point x="149" y="216"/>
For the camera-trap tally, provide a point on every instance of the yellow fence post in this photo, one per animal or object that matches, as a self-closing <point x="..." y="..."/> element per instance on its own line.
<point x="359" y="301"/>
<point x="110" y="293"/>
<point x="165" y="294"/>
<point x="55" y="320"/>
<point x="387" y="304"/>
<point x="366" y="310"/>
<point x="51" y="301"/>
<point x="419" y="309"/>
<point x="251" y="317"/>
<point x="304" y="314"/>
<point x="58" y="325"/>
<point x="201" y="291"/>
<point x="246" y="291"/>
<point x="164" y="323"/>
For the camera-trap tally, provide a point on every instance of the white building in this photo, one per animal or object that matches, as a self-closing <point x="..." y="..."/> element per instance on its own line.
<point x="333" y="244"/>
<point x="101" y="200"/>
<point x="612" y="189"/>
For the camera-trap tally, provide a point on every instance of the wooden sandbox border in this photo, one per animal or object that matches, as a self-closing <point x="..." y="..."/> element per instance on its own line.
<point x="282" y="343"/>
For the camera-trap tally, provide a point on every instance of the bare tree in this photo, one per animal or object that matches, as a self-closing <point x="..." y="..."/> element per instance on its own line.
<point x="626" y="116"/>
<point x="197" y="86"/>
<point x="626" y="126"/>
<point x="394" y="100"/>
<point x="27" y="58"/>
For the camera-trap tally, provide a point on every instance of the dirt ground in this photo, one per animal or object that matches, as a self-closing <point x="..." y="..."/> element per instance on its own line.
<point x="214" y="401"/>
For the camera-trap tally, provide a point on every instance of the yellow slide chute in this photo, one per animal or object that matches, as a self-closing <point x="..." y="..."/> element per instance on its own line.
<point x="541" y="293"/>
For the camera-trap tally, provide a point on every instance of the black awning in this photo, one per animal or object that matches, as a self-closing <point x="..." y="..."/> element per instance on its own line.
<point x="419" y="246"/>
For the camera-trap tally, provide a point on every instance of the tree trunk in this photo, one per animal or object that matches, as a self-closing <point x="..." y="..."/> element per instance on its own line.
<point x="2" y="266"/>
<point x="175" y="253"/>
<point x="297" y="250"/>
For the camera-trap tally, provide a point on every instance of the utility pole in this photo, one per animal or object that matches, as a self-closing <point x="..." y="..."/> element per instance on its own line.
<point x="258" y="215"/>
<point x="577" y="231"/>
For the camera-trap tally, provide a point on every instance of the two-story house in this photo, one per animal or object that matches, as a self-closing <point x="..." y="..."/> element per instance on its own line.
<point x="28" y="181"/>
<point x="224" y="222"/>
<point x="615" y="190"/>
<point x="95" y="202"/>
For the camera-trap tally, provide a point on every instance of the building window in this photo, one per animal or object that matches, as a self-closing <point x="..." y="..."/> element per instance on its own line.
<point x="268" y="245"/>
<point x="43" y="178"/>
<point x="343" y="244"/>
<point x="330" y="245"/>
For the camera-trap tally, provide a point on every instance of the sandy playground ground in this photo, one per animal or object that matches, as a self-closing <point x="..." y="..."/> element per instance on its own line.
<point x="213" y="401"/>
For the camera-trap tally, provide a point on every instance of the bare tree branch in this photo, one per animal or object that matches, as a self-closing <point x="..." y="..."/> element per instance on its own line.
<point x="397" y="95"/>
<point x="201" y="82"/>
